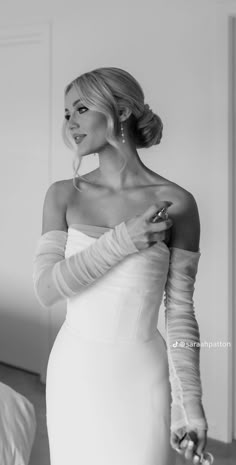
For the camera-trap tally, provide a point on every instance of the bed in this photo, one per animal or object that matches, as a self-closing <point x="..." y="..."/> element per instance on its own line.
<point x="17" y="427"/>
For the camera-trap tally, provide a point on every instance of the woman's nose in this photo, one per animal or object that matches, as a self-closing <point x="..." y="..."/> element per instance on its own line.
<point x="72" y="120"/>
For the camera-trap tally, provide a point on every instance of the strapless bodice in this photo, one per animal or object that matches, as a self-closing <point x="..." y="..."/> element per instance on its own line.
<point x="123" y="304"/>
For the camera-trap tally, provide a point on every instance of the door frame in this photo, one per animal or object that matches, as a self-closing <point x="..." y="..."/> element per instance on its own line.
<point x="232" y="215"/>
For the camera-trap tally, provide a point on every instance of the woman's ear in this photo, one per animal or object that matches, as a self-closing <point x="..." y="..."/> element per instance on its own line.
<point x="124" y="114"/>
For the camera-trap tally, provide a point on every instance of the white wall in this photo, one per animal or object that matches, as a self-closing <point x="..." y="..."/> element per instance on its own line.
<point x="178" y="51"/>
<point x="24" y="141"/>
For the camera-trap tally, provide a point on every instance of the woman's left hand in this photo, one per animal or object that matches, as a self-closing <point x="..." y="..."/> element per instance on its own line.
<point x="184" y="448"/>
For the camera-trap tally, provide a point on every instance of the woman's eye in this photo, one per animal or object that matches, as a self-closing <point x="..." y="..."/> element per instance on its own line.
<point x="77" y="109"/>
<point x="80" y="108"/>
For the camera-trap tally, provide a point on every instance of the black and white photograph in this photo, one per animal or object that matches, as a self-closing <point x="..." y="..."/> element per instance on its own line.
<point x="118" y="231"/>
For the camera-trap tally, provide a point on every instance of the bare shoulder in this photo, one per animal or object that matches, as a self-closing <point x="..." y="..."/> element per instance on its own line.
<point x="181" y="196"/>
<point x="174" y="192"/>
<point x="55" y="204"/>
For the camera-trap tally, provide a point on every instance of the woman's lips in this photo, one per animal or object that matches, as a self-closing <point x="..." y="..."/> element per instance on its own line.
<point x="78" y="139"/>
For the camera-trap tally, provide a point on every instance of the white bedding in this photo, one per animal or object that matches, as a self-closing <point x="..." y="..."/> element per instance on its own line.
<point x="17" y="427"/>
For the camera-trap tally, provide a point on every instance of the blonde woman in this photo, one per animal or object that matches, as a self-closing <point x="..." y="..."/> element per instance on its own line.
<point x="116" y="392"/>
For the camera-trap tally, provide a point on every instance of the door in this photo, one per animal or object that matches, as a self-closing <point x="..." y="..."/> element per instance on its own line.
<point x="25" y="176"/>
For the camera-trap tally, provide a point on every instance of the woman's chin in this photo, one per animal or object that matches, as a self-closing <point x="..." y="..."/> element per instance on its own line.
<point x="84" y="154"/>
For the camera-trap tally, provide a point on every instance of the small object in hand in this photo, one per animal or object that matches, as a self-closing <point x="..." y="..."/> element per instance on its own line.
<point x="160" y="215"/>
<point x="206" y="458"/>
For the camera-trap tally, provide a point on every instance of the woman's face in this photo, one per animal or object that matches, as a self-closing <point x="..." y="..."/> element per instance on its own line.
<point x="90" y="123"/>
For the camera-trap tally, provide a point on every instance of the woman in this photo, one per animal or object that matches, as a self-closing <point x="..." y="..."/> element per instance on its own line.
<point x="111" y="376"/>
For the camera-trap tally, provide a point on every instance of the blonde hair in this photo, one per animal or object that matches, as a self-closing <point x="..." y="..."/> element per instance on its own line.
<point x="107" y="90"/>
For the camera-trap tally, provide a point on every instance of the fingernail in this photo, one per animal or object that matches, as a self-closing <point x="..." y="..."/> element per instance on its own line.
<point x="190" y="444"/>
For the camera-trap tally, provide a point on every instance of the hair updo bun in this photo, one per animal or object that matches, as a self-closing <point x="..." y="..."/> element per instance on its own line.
<point x="147" y="128"/>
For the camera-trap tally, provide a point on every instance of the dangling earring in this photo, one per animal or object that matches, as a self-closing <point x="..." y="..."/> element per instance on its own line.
<point x="122" y="133"/>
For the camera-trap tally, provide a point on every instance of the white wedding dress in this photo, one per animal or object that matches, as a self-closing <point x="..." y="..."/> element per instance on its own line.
<point x="107" y="388"/>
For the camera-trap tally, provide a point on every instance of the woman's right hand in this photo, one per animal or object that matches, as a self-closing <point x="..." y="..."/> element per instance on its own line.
<point x="143" y="232"/>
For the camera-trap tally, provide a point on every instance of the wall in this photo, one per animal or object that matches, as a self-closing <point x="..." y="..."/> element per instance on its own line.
<point x="178" y="50"/>
<point x="25" y="129"/>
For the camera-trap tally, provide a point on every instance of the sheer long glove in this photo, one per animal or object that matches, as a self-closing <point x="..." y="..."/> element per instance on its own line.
<point x="183" y="342"/>
<point x="56" y="277"/>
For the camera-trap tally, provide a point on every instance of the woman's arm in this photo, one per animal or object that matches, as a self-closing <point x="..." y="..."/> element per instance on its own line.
<point x="185" y="232"/>
<point x="56" y="277"/>
<point x="183" y="337"/>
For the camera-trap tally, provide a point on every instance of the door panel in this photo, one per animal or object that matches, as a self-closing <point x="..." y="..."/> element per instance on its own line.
<point x="25" y="176"/>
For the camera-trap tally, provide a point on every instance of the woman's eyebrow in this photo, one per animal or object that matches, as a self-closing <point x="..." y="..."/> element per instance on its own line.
<point x="66" y="109"/>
